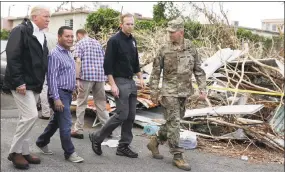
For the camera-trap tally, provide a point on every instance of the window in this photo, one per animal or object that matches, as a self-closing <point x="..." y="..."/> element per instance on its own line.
<point x="274" y="28"/>
<point x="69" y="23"/>
<point x="267" y="26"/>
<point x="263" y="26"/>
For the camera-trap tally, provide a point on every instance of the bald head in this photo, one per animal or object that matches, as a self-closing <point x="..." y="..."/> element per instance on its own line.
<point x="40" y="15"/>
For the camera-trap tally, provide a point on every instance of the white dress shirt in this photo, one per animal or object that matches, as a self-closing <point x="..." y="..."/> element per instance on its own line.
<point x="39" y="34"/>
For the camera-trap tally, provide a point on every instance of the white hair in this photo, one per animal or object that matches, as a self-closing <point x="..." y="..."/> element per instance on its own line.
<point x="36" y="10"/>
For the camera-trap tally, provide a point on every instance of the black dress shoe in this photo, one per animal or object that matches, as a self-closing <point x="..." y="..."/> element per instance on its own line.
<point x="96" y="147"/>
<point x="44" y="118"/>
<point x="126" y="151"/>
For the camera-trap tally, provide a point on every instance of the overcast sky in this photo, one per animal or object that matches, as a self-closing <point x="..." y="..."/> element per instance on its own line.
<point x="249" y="14"/>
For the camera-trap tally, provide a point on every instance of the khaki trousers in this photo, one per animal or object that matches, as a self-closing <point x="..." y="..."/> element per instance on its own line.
<point x="99" y="98"/>
<point x="28" y="114"/>
<point x="46" y="110"/>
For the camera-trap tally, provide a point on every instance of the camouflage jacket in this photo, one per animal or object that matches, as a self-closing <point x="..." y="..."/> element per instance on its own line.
<point x="178" y="64"/>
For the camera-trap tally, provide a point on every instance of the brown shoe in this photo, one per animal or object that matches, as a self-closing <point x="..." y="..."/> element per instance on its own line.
<point x="153" y="147"/>
<point x="76" y="135"/>
<point x="32" y="159"/>
<point x="18" y="161"/>
<point x="179" y="162"/>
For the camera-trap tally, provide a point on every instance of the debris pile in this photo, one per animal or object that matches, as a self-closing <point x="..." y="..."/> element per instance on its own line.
<point x="245" y="89"/>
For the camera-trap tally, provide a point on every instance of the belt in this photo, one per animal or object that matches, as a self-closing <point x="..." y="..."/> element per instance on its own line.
<point x="65" y="90"/>
<point x="127" y="77"/>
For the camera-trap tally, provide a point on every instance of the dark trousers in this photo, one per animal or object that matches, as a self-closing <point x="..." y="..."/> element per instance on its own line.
<point x="125" y="116"/>
<point x="61" y="120"/>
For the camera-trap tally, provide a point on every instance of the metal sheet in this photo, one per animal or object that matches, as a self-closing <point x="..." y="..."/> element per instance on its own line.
<point x="224" y="110"/>
<point x="217" y="60"/>
<point x="277" y="121"/>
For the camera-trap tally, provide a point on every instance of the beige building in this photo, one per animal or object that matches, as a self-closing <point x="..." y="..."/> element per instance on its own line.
<point x="273" y="24"/>
<point x="75" y="19"/>
<point x="261" y="32"/>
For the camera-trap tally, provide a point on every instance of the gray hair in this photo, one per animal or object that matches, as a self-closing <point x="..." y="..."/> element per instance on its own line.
<point x="36" y="10"/>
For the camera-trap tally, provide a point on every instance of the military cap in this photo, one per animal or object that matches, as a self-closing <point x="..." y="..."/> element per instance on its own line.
<point x="175" y="25"/>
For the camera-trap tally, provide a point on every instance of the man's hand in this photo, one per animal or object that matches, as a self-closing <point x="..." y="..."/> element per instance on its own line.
<point x="21" y="89"/>
<point x="58" y="105"/>
<point x="142" y="83"/>
<point x="115" y="90"/>
<point x="80" y="86"/>
<point x="203" y="95"/>
<point x="154" y="97"/>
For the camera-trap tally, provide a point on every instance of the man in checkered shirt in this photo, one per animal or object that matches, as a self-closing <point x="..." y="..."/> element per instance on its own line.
<point x="90" y="76"/>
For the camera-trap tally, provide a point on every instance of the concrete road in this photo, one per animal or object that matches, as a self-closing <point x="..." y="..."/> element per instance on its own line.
<point x="109" y="162"/>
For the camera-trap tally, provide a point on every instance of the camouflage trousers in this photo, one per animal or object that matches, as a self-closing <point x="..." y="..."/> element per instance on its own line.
<point x="174" y="109"/>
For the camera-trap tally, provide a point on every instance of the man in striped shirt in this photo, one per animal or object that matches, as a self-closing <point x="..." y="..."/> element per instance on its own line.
<point x="90" y="77"/>
<point x="61" y="83"/>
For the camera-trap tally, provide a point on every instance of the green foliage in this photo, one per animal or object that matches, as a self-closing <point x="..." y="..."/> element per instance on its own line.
<point x="171" y="11"/>
<point x="159" y="12"/>
<point x="192" y="29"/>
<point x="103" y="18"/>
<point x="4" y="34"/>
<point x="164" y="12"/>
<point x="248" y="35"/>
<point x="275" y="42"/>
<point x="145" y="24"/>
<point x="198" y="43"/>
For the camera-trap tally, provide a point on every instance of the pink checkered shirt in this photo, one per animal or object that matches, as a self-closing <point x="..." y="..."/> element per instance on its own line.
<point x="91" y="54"/>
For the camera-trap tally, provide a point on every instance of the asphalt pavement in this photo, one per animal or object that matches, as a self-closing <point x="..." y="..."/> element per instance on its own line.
<point x="109" y="161"/>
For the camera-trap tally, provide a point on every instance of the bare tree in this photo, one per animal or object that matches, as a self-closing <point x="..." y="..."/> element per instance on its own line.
<point x="58" y="8"/>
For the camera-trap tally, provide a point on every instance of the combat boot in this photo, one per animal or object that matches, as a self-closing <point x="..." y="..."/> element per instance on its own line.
<point x="153" y="147"/>
<point x="179" y="162"/>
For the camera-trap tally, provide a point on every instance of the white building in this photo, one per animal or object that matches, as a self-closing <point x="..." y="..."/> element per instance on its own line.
<point x="75" y="19"/>
<point x="273" y="24"/>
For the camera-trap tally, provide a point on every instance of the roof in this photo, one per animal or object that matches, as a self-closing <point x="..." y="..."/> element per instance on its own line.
<point x="61" y="13"/>
<point x="259" y="30"/>
<point x="273" y="20"/>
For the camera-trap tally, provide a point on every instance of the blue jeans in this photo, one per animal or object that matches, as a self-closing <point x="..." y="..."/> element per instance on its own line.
<point x="61" y="120"/>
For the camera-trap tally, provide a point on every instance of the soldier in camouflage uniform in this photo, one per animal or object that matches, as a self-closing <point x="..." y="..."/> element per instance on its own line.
<point x="179" y="60"/>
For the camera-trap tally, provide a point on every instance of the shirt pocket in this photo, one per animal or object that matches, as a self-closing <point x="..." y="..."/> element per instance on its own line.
<point x="170" y="62"/>
<point x="186" y="62"/>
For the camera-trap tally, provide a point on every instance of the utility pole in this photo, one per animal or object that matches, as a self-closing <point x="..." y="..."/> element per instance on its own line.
<point x="9" y="10"/>
<point x="28" y="10"/>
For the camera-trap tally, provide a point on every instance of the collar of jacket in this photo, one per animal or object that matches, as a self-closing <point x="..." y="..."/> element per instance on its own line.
<point x="125" y="36"/>
<point x="29" y="25"/>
